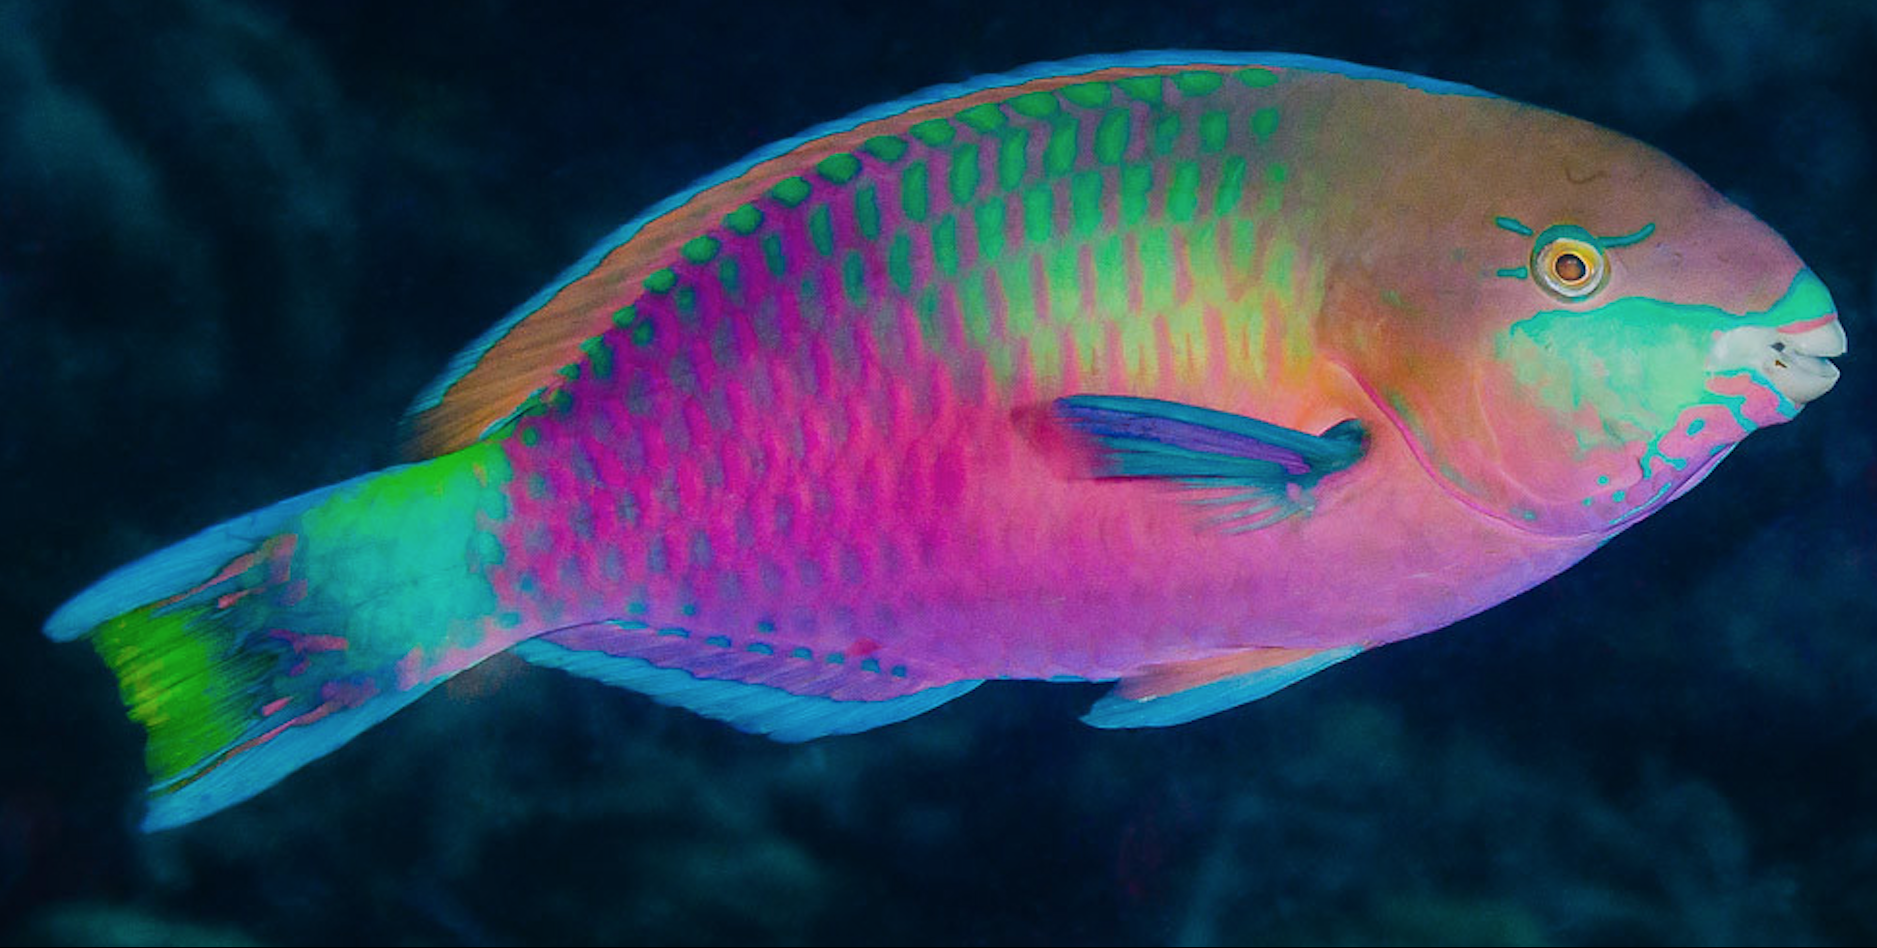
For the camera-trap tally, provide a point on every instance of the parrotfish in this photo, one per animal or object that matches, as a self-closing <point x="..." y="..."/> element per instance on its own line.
<point x="1194" y="372"/>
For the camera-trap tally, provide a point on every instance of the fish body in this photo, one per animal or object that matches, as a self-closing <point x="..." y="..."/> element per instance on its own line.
<point x="1199" y="372"/>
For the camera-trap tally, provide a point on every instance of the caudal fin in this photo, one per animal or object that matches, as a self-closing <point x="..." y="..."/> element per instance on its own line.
<point x="220" y="655"/>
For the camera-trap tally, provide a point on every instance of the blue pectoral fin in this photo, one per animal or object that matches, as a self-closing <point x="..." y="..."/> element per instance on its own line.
<point x="759" y="692"/>
<point x="1204" y="688"/>
<point x="1258" y="472"/>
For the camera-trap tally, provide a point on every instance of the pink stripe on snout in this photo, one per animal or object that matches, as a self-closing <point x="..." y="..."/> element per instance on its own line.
<point x="1808" y="324"/>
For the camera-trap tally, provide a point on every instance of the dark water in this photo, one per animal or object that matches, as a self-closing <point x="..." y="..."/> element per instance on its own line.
<point x="236" y="238"/>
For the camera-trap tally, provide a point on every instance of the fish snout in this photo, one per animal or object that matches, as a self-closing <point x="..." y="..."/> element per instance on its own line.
<point x="1795" y="359"/>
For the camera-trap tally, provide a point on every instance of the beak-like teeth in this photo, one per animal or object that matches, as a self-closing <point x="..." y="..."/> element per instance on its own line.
<point x="1799" y="377"/>
<point x="1796" y="363"/>
<point x="1800" y="368"/>
<point x="1827" y="340"/>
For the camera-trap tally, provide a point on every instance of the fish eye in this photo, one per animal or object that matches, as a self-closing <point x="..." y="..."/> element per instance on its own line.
<point x="1569" y="267"/>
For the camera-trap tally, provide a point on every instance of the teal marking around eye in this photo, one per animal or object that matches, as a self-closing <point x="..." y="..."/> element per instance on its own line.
<point x="1624" y="240"/>
<point x="1557" y="232"/>
<point x="1516" y="273"/>
<point x="1512" y="224"/>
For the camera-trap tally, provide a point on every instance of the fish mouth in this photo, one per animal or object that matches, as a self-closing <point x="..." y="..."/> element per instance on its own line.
<point x="1795" y="359"/>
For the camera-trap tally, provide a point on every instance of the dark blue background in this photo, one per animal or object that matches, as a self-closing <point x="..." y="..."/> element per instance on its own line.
<point x="236" y="238"/>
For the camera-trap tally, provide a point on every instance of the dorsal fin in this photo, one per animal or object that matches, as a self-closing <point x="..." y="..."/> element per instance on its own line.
<point x="497" y="375"/>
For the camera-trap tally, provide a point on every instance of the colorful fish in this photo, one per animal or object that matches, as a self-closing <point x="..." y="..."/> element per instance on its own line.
<point x="1196" y="371"/>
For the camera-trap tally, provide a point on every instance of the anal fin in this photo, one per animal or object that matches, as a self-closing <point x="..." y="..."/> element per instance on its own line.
<point x="760" y="690"/>
<point x="1177" y="692"/>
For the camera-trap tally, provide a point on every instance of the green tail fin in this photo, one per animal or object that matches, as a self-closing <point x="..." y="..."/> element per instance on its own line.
<point x="227" y="665"/>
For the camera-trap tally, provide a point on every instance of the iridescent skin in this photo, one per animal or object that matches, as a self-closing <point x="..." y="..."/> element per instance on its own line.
<point x="798" y="430"/>
<point x="839" y="448"/>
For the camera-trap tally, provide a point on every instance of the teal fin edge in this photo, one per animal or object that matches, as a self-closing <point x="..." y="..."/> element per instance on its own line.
<point x="1114" y="711"/>
<point x="181" y="565"/>
<point x="259" y="767"/>
<point x="753" y="708"/>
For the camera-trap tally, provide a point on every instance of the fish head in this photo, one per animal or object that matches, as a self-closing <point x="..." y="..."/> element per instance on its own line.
<point x="1584" y="330"/>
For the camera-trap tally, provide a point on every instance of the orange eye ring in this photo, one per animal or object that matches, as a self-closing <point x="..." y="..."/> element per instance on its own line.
<point x="1570" y="268"/>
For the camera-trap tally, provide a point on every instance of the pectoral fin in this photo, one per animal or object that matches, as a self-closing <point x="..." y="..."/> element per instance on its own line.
<point x="1258" y="472"/>
<point x="1178" y="692"/>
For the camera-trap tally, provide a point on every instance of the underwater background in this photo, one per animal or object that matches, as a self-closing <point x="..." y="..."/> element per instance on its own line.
<point x="236" y="238"/>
